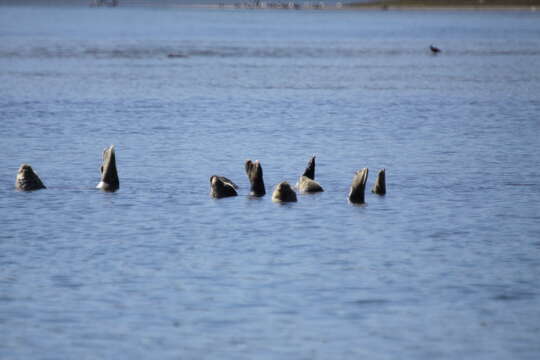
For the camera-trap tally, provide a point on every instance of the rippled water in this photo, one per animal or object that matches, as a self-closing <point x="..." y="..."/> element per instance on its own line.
<point x="446" y="265"/>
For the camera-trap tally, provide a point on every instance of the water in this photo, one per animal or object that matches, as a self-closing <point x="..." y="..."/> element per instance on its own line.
<point x="445" y="266"/>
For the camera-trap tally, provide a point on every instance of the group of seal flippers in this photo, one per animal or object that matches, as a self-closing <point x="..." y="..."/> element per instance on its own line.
<point x="28" y="179"/>
<point x="220" y="186"/>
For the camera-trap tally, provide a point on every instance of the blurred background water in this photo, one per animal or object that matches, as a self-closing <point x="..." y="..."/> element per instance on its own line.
<point x="445" y="266"/>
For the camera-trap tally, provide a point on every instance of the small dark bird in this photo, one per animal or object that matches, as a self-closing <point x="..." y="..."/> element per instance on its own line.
<point x="434" y="49"/>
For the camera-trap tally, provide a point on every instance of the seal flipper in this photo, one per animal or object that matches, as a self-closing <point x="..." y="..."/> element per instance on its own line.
<point x="310" y="169"/>
<point x="358" y="186"/>
<point x="380" y="184"/>
<point x="28" y="179"/>
<point x="255" y="176"/>
<point x="109" y="174"/>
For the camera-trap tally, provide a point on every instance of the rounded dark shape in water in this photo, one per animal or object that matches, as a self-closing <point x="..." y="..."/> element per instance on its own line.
<point x="358" y="187"/>
<point x="379" y="187"/>
<point x="306" y="185"/>
<point x="434" y="49"/>
<point x="221" y="187"/>
<point x="255" y="176"/>
<point x="27" y="179"/>
<point x="109" y="175"/>
<point x="310" y="169"/>
<point x="283" y="192"/>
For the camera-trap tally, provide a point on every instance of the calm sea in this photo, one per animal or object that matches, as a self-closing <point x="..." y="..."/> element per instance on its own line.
<point x="445" y="266"/>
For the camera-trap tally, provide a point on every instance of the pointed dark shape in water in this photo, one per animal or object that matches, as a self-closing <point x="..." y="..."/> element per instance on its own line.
<point x="306" y="185"/>
<point x="283" y="192"/>
<point x="380" y="184"/>
<point x="109" y="175"/>
<point x="358" y="187"/>
<point x="310" y="169"/>
<point x="255" y="176"/>
<point x="221" y="187"/>
<point x="27" y="179"/>
<point x="434" y="49"/>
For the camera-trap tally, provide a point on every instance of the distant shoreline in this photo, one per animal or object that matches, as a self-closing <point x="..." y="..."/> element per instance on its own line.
<point x="372" y="6"/>
<point x="529" y="5"/>
<point x="355" y="7"/>
<point x="383" y="5"/>
<point x="444" y="8"/>
<point x="367" y="7"/>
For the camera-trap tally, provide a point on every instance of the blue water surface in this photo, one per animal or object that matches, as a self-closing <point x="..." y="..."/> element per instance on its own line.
<point x="445" y="266"/>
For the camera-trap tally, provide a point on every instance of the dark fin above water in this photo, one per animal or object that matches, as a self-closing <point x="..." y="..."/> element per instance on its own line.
<point x="109" y="175"/>
<point x="310" y="169"/>
<point x="358" y="187"/>
<point x="380" y="184"/>
<point x="255" y="176"/>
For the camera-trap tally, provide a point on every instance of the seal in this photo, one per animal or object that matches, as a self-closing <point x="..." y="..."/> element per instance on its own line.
<point x="380" y="184"/>
<point x="255" y="176"/>
<point x="28" y="179"/>
<point x="283" y="192"/>
<point x="306" y="185"/>
<point x="358" y="186"/>
<point x="221" y="187"/>
<point x="109" y="176"/>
